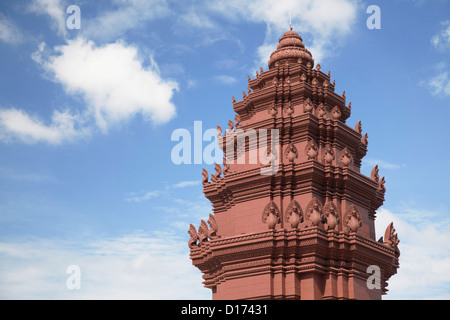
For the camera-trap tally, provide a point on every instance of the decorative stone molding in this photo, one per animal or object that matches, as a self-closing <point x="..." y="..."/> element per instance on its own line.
<point x="330" y="216"/>
<point x="273" y="110"/>
<point x="294" y="214"/>
<point x="345" y="157"/>
<point x="271" y="215"/>
<point x="328" y="155"/>
<point x="314" y="211"/>
<point x="291" y="152"/>
<point x="289" y="110"/>
<point x="311" y="150"/>
<point x="352" y="219"/>
<point x="336" y="113"/>
<point x="321" y="111"/>
<point x="307" y="106"/>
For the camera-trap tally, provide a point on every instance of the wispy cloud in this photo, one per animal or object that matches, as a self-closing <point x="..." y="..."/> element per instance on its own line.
<point x="142" y="196"/>
<point x="184" y="184"/>
<point x="225" y="79"/>
<point x="133" y="266"/>
<point x="9" y="32"/>
<point x="54" y="9"/>
<point x="439" y="85"/>
<point x="441" y="40"/>
<point x="382" y="164"/>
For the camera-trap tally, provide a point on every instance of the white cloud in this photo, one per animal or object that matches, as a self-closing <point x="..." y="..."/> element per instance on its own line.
<point x="112" y="92"/>
<point x="441" y="40"/>
<point x="9" y="32"/>
<point x="425" y="252"/>
<point x="55" y="9"/>
<point x="323" y="21"/>
<point x="133" y="266"/>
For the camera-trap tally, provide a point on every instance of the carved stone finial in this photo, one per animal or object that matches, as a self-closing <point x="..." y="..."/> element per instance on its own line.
<point x="193" y="236"/>
<point x="374" y="174"/>
<point x="205" y="176"/>
<point x="251" y="78"/>
<point x="358" y="127"/>
<point x="364" y="139"/>
<point x="314" y="211"/>
<point x="334" y="83"/>
<point x="391" y="238"/>
<point x="381" y="186"/>
<point x="213" y="228"/>
<point x="216" y="176"/>
<point x="318" y="67"/>
<point x="291" y="152"/>
<point x="226" y="166"/>
<point x="237" y="121"/>
<point x="203" y="232"/>
<point x="345" y="157"/>
<point x="294" y="214"/>
<point x="343" y="94"/>
<point x="234" y="99"/>
<point x="330" y="216"/>
<point x="311" y="150"/>
<point x="352" y="218"/>
<point x="349" y="106"/>
<point x="271" y="215"/>
<point x="230" y="125"/>
<point x="261" y="69"/>
<point x="244" y="95"/>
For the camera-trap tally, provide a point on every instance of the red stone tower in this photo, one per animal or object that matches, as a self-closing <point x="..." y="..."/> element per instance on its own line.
<point x="305" y="231"/>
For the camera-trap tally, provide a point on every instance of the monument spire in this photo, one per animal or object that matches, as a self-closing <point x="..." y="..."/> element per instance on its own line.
<point x="307" y="230"/>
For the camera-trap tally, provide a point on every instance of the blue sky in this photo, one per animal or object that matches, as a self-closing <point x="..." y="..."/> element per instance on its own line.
<point x="86" y="117"/>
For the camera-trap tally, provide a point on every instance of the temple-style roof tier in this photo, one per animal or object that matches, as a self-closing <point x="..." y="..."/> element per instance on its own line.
<point x="229" y="195"/>
<point x="293" y="254"/>
<point x="290" y="85"/>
